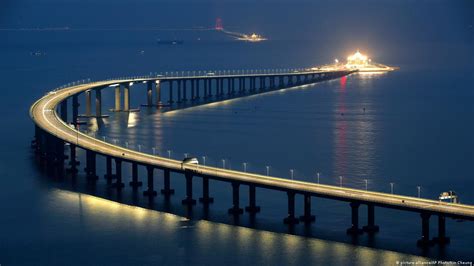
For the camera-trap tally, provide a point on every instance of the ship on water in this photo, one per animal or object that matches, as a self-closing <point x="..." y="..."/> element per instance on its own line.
<point x="251" y="38"/>
<point x="361" y="63"/>
<point x="169" y="42"/>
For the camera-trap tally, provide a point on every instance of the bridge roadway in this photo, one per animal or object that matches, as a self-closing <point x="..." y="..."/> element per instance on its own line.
<point x="44" y="114"/>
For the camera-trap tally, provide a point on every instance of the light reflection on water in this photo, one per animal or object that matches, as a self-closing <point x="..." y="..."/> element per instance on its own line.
<point x="207" y="238"/>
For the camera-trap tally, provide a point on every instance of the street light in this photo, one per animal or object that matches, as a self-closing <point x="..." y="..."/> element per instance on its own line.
<point x="419" y="191"/>
<point x="169" y="154"/>
<point x="223" y="163"/>
<point x="318" y="177"/>
<point x="268" y="170"/>
<point x="204" y="160"/>
<point x="366" y="184"/>
<point x="291" y="172"/>
<point x="154" y="150"/>
<point x="139" y="147"/>
<point x="245" y="167"/>
<point x="391" y="187"/>
<point x="340" y="180"/>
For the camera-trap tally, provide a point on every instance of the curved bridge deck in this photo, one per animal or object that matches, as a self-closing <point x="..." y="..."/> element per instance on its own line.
<point x="49" y="123"/>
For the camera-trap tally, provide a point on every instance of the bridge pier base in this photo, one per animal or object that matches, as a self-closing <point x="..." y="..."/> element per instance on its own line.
<point x="188" y="200"/>
<point x="73" y="163"/>
<point x="118" y="174"/>
<point x="425" y="230"/>
<point x="291" y="219"/>
<point x="370" y="227"/>
<point x="205" y="192"/>
<point x="167" y="191"/>
<point x="149" y="192"/>
<point x="91" y="166"/>
<point x="307" y="217"/>
<point x="354" y="229"/>
<point x="108" y="169"/>
<point x="441" y="239"/>
<point x="135" y="183"/>
<point x="235" y="199"/>
<point x="252" y="208"/>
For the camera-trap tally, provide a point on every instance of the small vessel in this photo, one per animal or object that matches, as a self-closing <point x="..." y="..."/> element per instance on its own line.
<point x="169" y="42"/>
<point x="252" y="38"/>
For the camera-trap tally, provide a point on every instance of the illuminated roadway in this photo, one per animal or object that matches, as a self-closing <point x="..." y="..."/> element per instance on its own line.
<point x="44" y="114"/>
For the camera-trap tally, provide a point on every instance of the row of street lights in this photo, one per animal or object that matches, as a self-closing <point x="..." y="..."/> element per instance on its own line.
<point x="267" y="168"/>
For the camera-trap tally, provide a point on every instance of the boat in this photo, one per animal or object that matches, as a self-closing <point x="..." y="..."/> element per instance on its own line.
<point x="169" y="42"/>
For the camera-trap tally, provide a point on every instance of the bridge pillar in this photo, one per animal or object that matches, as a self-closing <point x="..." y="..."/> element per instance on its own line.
<point x="197" y="88"/>
<point x="441" y="239"/>
<point x="63" y="107"/>
<point x="370" y="227"/>
<point x="72" y="159"/>
<point x="118" y="174"/>
<point x="425" y="230"/>
<point x="184" y="90"/>
<point x="88" y="103"/>
<point x="307" y="217"/>
<point x="291" y="219"/>
<point x="150" y="192"/>
<point x="189" y="190"/>
<point x="229" y="86"/>
<point x="205" y="199"/>
<point x="170" y="101"/>
<point x="90" y="165"/>
<point x="252" y="208"/>
<point x="354" y="229"/>
<point x="75" y="109"/>
<point x="149" y="93"/>
<point x="235" y="199"/>
<point x="98" y="102"/>
<point x="118" y="99"/>
<point x="193" y="94"/>
<point x="158" y="93"/>
<point x="206" y="87"/>
<point x="126" y="98"/>
<point x="167" y="191"/>
<point x="108" y="169"/>
<point x="135" y="183"/>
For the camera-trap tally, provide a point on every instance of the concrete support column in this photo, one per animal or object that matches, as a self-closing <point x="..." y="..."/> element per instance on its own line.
<point x="307" y="217"/>
<point x="126" y="98"/>
<point x="189" y="190"/>
<point x="235" y="199"/>
<point x="441" y="239"/>
<point x="185" y="98"/>
<point x="229" y="87"/>
<point x="179" y="91"/>
<point x="205" y="192"/>
<point x="193" y="87"/>
<point x="90" y="165"/>
<point x="150" y="192"/>
<point x="197" y="88"/>
<point x="171" y="92"/>
<point x="370" y="227"/>
<point x="75" y="109"/>
<point x="158" y="92"/>
<point x="354" y="229"/>
<point x="135" y="183"/>
<point x="206" y="88"/>
<point x="118" y="99"/>
<point x="88" y="103"/>
<point x="98" y="102"/>
<point x="425" y="230"/>
<point x="63" y="107"/>
<point x="167" y="191"/>
<point x="118" y="174"/>
<point x="72" y="159"/>
<point x="291" y="219"/>
<point x="149" y="93"/>
<point x="108" y="169"/>
<point x="252" y="208"/>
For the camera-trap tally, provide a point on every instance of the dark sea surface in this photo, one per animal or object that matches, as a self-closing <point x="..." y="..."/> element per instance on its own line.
<point x="412" y="127"/>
